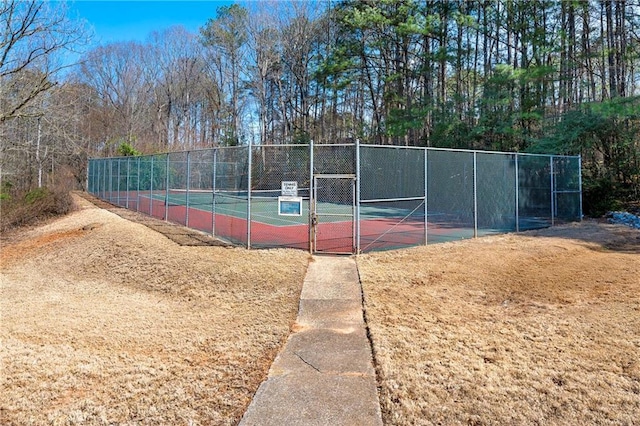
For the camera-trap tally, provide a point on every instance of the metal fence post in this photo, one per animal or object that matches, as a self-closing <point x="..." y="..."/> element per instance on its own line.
<point x="106" y="183"/>
<point x="186" y="215"/>
<point x="357" y="196"/>
<point x="110" y="179"/>
<point x="101" y="173"/>
<point x="426" y="200"/>
<point x="475" y="194"/>
<point x="128" y="181"/>
<point x="118" y="184"/>
<point x="517" y="194"/>
<point x="86" y="182"/>
<point x="151" y="188"/>
<point x="100" y="177"/>
<point x="311" y="198"/>
<point x="249" y="196"/>
<point x="94" y="176"/>
<point x="553" y="190"/>
<point x="138" y="188"/>
<point x="166" y="189"/>
<point x="213" y="194"/>
<point x="580" y="184"/>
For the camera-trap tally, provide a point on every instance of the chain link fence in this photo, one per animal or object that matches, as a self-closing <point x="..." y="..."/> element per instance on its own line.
<point x="344" y="198"/>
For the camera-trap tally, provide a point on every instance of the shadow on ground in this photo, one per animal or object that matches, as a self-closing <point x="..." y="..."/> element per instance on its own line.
<point x="179" y="234"/>
<point x="598" y="235"/>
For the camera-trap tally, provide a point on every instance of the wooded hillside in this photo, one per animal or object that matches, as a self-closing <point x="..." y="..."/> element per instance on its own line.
<point x="527" y="76"/>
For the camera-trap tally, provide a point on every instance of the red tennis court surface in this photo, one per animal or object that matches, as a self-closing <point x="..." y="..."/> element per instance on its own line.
<point x="336" y="237"/>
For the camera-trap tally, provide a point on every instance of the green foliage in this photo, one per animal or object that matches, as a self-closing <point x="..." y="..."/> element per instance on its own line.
<point x="301" y="137"/>
<point x="5" y="190"/>
<point x="230" y="139"/>
<point x="34" y="205"/>
<point x="497" y="114"/>
<point x="600" y="195"/>
<point x="607" y="134"/>
<point x="452" y="132"/>
<point x="400" y="121"/>
<point x="227" y="31"/>
<point x="35" y="195"/>
<point x="125" y="149"/>
<point x="153" y="172"/>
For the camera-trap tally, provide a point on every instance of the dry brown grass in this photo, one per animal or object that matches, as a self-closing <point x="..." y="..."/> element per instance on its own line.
<point x="105" y="321"/>
<point x="537" y="328"/>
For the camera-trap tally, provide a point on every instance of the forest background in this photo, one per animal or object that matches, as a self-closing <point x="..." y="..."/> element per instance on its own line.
<point x="522" y="76"/>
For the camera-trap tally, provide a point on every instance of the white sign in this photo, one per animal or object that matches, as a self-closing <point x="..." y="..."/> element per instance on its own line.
<point x="290" y="206"/>
<point x="289" y="188"/>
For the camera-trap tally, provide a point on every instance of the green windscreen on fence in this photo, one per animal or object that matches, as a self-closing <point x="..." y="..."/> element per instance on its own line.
<point x="392" y="197"/>
<point x="534" y="191"/>
<point x="496" y="192"/>
<point x="567" y="203"/>
<point x="346" y="197"/>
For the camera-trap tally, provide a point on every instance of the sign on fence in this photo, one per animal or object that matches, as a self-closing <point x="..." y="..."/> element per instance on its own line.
<point x="290" y="206"/>
<point x="289" y="189"/>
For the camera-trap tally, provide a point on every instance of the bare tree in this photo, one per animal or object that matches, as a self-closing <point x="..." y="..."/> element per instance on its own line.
<point x="264" y="70"/>
<point x="180" y="87"/>
<point x="33" y="36"/>
<point x="227" y="35"/>
<point x="120" y="75"/>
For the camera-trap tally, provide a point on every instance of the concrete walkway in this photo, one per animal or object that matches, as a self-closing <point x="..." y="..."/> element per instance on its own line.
<point x="324" y="374"/>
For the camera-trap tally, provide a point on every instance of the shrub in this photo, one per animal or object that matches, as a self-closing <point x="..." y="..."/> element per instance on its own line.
<point x="35" y="195"/>
<point x="34" y="206"/>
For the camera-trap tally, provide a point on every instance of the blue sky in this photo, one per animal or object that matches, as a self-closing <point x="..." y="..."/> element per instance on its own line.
<point x="134" y="20"/>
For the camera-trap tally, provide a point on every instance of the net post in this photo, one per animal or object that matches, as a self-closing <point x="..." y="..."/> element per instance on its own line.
<point x="186" y="214"/>
<point x="166" y="189"/>
<point x="249" y="195"/>
<point x="426" y="201"/>
<point x="580" y="184"/>
<point x="517" y="182"/>
<point x="475" y="194"/>
<point x="553" y="190"/>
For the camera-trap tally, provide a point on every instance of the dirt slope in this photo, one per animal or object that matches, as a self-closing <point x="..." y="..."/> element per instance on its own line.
<point x="537" y="328"/>
<point x="105" y="321"/>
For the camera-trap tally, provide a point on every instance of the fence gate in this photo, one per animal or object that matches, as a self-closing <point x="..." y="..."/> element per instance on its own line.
<point x="333" y="214"/>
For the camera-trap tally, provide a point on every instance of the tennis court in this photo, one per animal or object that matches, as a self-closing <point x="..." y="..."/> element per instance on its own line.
<point x="344" y="198"/>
